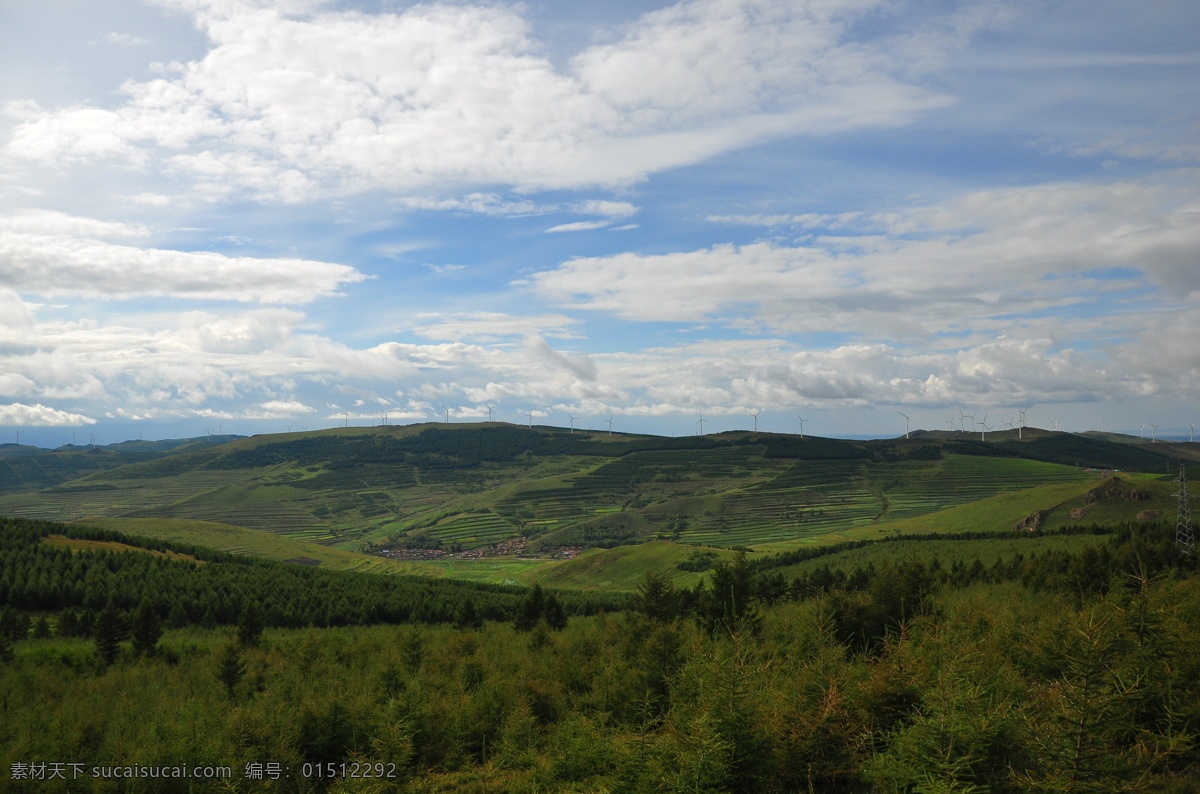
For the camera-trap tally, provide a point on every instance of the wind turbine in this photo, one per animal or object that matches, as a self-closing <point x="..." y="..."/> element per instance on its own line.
<point x="982" y="428"/>
<point x="1021" y="428"/>
<point x="572" y="418"/>
<point x="1143" y="429"/>
<point x="950" y="424"/>
<point x="530" y="415"/>
<point x="801" y="418"/>
<point x="906" y="418"/>
<point x="1191" y="433"/>
<point x="701" y="423"/>
<point x="447" y="410"/>
<point x="385" y="416"/>
<point x="1153" y="432"/>
<point x="965" y="417"/>
<point x="755" y="415"/>
<point x="289" y="427"/>
<point x="489" y="407"/>
<point x="610" y="421"/>
<point x="347" y="418"/>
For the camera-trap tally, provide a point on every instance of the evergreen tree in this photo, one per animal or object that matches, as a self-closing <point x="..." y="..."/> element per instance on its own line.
<point x="146" y="629"/>
<point x="728" y="607"/>
<point x="177" y="618"/>
<point x="6" y="650"/>
<point x="209" y="621"/>
<point x="68" y="623"/>
<point x="656" y="597"/>
<point x="231" y="668"/>
<point x="467" y="617"/>
<point x="531" y="608"/>
<point x="250" y="625"/>
<point x="108" y="633"/>
<point x="41" y="628"/>
<point x="553" y="614"/>
<point x="9" y="623"/>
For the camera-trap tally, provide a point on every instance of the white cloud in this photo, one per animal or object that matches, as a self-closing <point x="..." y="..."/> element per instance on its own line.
<point x="293" y="101"/>
<point x="52" y="254"/>
<point x="38" y="415"/>
<point x="492" y="326"/>
<point x="617" y="210"/>
<point x="285" y="408"/>
<point x="580" y="226"/>
<point x="986" y="255"/>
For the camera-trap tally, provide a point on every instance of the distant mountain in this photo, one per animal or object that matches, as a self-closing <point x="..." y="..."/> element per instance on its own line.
<point x="24" y="469"/>
<point x="469" y="486"/>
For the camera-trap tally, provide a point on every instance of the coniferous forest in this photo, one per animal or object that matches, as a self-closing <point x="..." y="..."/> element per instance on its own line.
<point x="1073" y="670"/>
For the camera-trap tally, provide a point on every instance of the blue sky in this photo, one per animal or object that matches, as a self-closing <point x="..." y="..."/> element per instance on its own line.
<point x="256" y="214"/>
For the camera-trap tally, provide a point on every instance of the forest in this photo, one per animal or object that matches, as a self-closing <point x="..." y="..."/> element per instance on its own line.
<point x="1076" y="669"/>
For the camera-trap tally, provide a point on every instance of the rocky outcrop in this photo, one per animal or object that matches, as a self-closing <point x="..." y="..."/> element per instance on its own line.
<point x="1031" y="522"/>
<point x="1114" y="488"/>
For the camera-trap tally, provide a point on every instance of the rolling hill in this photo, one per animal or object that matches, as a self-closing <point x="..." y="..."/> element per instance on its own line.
<point x="469" y="486"/>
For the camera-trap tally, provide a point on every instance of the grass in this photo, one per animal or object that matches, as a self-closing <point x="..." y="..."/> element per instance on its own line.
<point x="80" y="544"/>
<point x="948" y="552"/>
<point x="621" y="568"/>
<point x="238" y="540"/>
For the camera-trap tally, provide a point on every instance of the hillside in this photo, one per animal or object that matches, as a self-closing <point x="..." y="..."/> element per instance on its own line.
<point x="25" y="469"/>
<point x="469" y="486"/>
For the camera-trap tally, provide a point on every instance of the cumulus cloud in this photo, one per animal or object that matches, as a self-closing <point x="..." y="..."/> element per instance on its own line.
<point x="39" y="415"/>
<point x="52" y="254"/>
<point x="578" y="364"/>
<point x="285" y="408"/>
<point x="294" y="100"/>
<point x="493" y="326"/>
<point x="999" y="254"/>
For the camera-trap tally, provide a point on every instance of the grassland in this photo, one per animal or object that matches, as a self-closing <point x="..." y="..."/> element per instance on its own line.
<point x="255" y="543"/>
<point x="622" y="568"/>
<point x="325" y="495"/>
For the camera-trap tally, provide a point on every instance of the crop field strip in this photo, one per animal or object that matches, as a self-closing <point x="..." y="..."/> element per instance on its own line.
<point x="473" y="530"/>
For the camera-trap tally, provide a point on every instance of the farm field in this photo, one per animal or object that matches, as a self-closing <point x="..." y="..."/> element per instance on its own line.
<point x="329" y="495"/>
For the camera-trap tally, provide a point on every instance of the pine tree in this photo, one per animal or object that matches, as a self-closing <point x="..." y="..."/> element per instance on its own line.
<point x="68" y="623"/>
<point x="531" y="608"/>
<point x="177" y="618"/>
<point x="467" y="617"/>
<point x="250" y="625"/>
<point x="6" y="649"/>
<point x="108" y="633"/>
<point x="146" y="629"/>
<point x="41" y="628"/>
<point x="656" y="597"/>
<point x="231" y="668"/>
<point x="553" y="614"/>
<point x="9" y="623"/>
<point x="209" y="620"/>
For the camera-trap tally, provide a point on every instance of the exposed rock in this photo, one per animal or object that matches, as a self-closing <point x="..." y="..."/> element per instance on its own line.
<point x="1078" y="513"/>
<point x="1114" y="487"/>
<point x="1031" y="522"/>
<point x="1148" y="515"/>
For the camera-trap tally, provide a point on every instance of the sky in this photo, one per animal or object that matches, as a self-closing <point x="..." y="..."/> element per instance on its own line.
<point x="255" y="216"/>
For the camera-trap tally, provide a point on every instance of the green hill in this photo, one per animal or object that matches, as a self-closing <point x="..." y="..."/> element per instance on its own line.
<point x="469" y="487"/>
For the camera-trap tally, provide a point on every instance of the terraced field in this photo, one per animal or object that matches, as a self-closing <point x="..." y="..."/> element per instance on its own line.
<point x="382" y="485"/>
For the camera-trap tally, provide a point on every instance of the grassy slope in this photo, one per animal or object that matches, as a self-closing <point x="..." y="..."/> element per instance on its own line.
<point x="965" y="552"/>
<point x="238" y="540"/>
<point x="621" y="568"/>
<point x="730" y="496"/>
